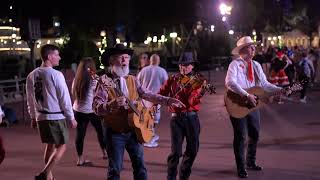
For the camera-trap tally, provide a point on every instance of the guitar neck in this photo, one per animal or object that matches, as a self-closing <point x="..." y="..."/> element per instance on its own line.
<point x="277" y="93"/>
<point x="116" y="89"/>
<point x="129" y="102"/>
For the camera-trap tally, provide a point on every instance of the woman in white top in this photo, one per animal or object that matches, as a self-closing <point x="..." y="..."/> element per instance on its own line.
<point x="82" y="91"/>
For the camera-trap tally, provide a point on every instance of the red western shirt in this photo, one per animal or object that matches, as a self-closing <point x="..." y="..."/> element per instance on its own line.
<point x="187" y="95"/>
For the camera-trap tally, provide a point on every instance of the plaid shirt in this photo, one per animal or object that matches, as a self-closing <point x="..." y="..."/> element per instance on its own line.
<point x="101" y="101"/>
<point x="187" y="95"/>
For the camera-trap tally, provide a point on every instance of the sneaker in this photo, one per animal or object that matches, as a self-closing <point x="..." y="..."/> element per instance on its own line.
<point x="155" y="138"/>
<point x="303" y="100"/>
<point x="5" y="123"/>
<point x="41" y="176"/>
<point x="151" y="144"/>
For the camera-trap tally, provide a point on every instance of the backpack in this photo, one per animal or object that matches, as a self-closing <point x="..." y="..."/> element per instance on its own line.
<point x="300" y="69"/>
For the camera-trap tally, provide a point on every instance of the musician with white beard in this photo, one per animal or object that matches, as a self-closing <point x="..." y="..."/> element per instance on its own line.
<point x="244" y="73"/>
<point x="113" y="105"/>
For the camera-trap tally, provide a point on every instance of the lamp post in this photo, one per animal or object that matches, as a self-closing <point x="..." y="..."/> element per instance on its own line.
<point x="225" y="9"/>
<point x="254" y="34"/>
<point x="103" y="44"/>
<point x="149" y="42"/>
<point x="173" y="35"/>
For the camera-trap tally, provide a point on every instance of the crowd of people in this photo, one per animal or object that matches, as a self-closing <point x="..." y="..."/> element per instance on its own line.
<point x="284" y="66"/>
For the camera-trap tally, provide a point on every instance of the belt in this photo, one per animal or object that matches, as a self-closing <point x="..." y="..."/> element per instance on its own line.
<point x="191" y="113"/>
<point x="123" y="131"/>
<point x="47" y="112"/>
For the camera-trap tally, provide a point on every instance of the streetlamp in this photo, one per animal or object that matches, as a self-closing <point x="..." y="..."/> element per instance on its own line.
<point x="212" y="28"/>
<point x="173" y="35"/>
<point x="225" y="9"/>
<point x="103" y="45"/>
<point x="155" y="39"/>
<point x="254" y="34"/>
<point x="103" y="33"/>
<point x="224" y="18"/>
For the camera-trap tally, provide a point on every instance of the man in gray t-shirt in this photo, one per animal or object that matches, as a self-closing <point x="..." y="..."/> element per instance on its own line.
<point x="49" y="106"/>
<point x="152" y="77"/>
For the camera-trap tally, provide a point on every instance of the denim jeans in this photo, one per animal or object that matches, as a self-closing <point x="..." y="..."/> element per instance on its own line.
<point x="116" y="144"/>
<point x="305" y="85"/>
<point x="250" y="125"/>
<point x="183" y="126"/>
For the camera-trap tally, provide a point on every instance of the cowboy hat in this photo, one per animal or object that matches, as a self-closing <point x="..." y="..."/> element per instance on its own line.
<point x="116" y="49"/>
<point x="186" y="58"/>
<point x="241" y="43"/>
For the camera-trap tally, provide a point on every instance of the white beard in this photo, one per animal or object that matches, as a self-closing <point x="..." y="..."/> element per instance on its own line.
<point x="120" y="71"/>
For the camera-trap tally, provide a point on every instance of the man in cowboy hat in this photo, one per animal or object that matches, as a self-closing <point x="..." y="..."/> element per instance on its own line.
<point x="112" y="104"/>
<point x="244" y="73"/>
<point x="184" y="122"/>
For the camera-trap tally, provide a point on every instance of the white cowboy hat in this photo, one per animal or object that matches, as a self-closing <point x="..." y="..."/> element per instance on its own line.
<point x="241" y="43"/>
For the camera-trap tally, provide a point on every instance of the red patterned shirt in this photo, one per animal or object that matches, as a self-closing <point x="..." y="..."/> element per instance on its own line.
<point x="186" y="94"/>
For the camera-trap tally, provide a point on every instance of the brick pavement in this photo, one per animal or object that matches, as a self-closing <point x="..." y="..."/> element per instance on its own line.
<point x="289" y="146"/>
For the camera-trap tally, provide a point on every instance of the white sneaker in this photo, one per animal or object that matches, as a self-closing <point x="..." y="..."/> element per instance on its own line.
<point x="303" y="100"/>
<point x="151" y="144"/>
<point x="155" y="138"/>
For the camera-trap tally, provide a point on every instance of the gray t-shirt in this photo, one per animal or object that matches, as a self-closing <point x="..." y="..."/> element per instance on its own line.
<point x="47" y="92"/>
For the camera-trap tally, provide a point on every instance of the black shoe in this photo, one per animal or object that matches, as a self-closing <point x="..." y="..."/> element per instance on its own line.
<point x="254" y="167"/>
<point x="41" y="176"/>
<point x="242" y="173"/>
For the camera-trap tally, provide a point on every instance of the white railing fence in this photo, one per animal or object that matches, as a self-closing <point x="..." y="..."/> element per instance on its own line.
<point x="12" y="94"/>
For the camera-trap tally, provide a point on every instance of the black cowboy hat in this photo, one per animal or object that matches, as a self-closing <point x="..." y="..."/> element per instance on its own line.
<point x="116" y="49"/>
<point x="186" y="58"/>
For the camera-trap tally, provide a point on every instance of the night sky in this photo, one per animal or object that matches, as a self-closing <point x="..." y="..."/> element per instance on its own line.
<point x="141" y="16"/>
<point x="107" y="12"/>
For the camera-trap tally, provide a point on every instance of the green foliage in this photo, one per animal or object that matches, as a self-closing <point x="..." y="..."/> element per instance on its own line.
<point x="79" y="46"/>
<point x="299" y="20"/>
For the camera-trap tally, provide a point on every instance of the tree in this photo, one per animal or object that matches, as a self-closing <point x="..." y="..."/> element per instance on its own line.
<point x="79" y="45"/>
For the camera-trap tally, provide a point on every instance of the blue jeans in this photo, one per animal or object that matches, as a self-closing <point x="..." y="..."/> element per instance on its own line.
<point x="116" y="144"/>
<point x="10" y="114"/>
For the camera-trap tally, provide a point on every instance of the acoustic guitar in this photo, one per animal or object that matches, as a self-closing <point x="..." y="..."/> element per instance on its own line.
<point x="141" y="119"/>
<point x="239" y="106"/>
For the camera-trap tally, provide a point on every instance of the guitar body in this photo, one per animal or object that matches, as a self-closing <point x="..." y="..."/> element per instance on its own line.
<point x="143" y="123"/>
<point x="238" y="106"/>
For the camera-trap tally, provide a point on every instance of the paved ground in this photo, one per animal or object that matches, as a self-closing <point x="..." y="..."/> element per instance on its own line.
<point x="289" y="146"/>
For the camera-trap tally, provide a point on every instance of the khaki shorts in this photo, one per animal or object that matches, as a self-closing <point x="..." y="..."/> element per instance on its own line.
<point x="53" y="131"/>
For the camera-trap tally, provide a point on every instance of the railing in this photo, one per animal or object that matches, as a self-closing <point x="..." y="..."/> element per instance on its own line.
<point x="12" y="91"/>
<point x="220" y="62"/>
